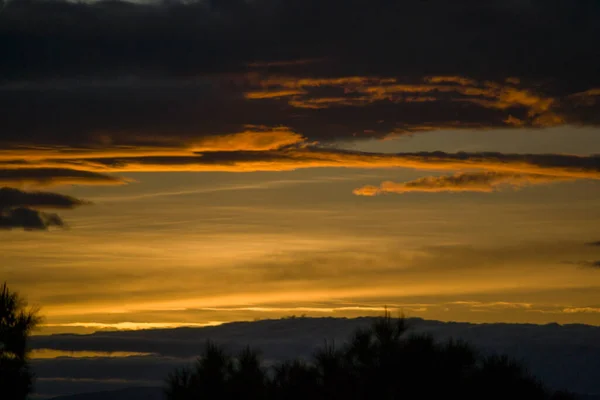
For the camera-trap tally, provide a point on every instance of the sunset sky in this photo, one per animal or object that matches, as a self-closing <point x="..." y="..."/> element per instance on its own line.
<point x="193" y="163"/>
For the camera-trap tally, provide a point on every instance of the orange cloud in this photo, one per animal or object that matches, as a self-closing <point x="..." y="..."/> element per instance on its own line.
<point x="30" y="155"/>
<point x="301" y="83"/>
<point x="256" y="138"/>
<point x="451" y="79"/>
<point x="280" y="149"/>
<point x="271" y="94"/>
<point x="292" y="158"/>
<point x="490" y="95"/>
<point x="510" y="120"/>
<point x="368" y="190"/>
<point x="326" y="102"/>
<point x="587" y="98"/>
<point x="485" y="182"/>
<point x="357" y="91"/>
<point x="578" y="310"/>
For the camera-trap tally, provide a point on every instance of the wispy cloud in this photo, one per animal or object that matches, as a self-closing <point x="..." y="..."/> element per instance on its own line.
<point x="485" y="182"/>
<point x="293" y="158"/>
<point x="356" y="91"/>
<point x="578" y="310"/>
<point x="255" y="138"/>
<point x="590" y="264"/>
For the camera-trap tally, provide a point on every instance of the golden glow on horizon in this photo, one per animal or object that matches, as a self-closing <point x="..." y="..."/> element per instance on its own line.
<point x="412" y="284"/>
<point x="44" y="354"/>
<point x="129" y="326"/>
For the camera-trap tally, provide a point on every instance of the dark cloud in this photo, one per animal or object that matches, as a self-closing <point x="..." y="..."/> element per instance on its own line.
<point x="42" y="38"/>
<point x="28" y="219"/>
<point x="589" y="163"/>
<point x="291" y="158"/>
<point x="173" y="113"/>
<point x="54" y="176"/>
<point x="595" y="244"/>
<point x="124" y="74"/>
<point x="10" y="197"/>
<point x="93" y="88"/>
<point x="18" y="209"/>
<point x="591" y="264"/>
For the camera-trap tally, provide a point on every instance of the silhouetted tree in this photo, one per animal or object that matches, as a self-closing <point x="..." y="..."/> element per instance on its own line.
<point x="500" y="377"/>
<point x="294" y="380"/>
<point x="248" y="379"/>
<point x="179" y="384"/>
<point x="218" y="375"/>
<point x="380" y="363"/>
<point x="212" y="373"/>
<point x="333" y="372"/>
<point x="16" y="323"/>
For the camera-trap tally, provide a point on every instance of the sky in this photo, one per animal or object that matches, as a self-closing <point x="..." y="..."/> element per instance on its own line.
<point x="193" y="163"/>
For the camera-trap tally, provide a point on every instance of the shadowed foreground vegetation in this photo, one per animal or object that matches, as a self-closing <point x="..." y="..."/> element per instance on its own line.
<point x="16" y="323"/>
<point x="382" y="362"/>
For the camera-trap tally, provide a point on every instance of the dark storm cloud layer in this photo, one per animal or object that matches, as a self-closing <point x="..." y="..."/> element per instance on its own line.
<point x="136" y="112"/>
<point x="538" y="39"/>
<point x="90" y="89"/>
<point x="123" y="74"/>
<point x="171" y="113"/>
<point x="18" y="209"/>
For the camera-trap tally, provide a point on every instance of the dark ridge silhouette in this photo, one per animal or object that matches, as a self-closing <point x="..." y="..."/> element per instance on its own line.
<point x="574" y="348"/>
<point x="379" y="362"/>
<point x="138" y="393"/>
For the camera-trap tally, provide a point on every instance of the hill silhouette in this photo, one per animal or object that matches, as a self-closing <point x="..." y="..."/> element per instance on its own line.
<point x="575" y="350"/>
<point x="380" y="362"/>
<point x="141" y="393"/>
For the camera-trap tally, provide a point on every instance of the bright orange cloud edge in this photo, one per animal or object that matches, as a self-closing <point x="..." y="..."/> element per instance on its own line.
<point x="542" y="110"/>
<point x="510" y="169"/>
<point x="483" y="182"/>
